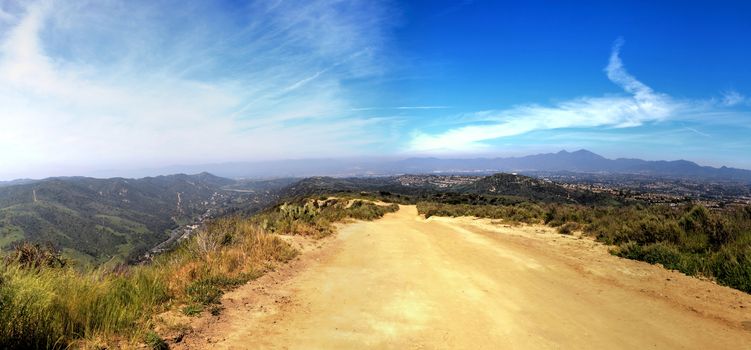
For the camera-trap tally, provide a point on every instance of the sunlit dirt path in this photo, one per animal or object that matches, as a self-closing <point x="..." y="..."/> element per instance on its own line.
<point x="403" y="282"/>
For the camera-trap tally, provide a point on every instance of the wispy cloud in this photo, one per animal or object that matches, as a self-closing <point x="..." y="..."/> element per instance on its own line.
<point x="641" y="105"/>
<point x="693" y="130"/>
<point x="734" y="98"/>
<point x="119" y="82"/>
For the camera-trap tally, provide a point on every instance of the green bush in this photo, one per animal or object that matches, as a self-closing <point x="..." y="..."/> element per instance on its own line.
<point x="732" y="267"/>
<point x="656" y="253"/>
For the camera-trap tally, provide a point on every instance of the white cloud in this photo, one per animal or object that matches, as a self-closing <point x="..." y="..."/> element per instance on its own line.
<point x="733" y="98"/>
<point x="641" y="106"/>
<point x="108" y="84"/>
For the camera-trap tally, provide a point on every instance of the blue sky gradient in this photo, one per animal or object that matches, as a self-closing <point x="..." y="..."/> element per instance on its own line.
<point x="87" y="85"/>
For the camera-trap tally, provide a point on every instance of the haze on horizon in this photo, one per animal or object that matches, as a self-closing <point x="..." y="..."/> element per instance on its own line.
<point x="94" y="85"/>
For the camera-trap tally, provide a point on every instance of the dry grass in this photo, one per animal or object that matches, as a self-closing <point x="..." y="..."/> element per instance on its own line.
<point x="57" y="307"/>
<point x="46" y="303"/>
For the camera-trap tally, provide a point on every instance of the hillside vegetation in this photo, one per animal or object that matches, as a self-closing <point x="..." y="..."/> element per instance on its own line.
<point x="47" y="304"/>
<point x="95" y="220"/>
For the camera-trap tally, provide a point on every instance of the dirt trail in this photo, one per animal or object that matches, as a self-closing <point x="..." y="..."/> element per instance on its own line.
<point x="404" y="282"/>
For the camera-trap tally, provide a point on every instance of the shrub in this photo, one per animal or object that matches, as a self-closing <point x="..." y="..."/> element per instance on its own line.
<point x="30" y="255"/>
<point x="568" y="228"/>
<point x="657" y="253"/>
<point x="732" y="266"/>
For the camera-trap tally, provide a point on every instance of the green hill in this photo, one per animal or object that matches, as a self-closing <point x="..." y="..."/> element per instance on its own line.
<point x="97" y="219"/>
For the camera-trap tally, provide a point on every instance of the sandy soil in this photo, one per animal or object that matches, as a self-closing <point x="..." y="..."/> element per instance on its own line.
<point x="404" y="282"/>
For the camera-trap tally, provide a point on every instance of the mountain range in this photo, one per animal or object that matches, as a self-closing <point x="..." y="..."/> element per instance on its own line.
<point x="581" y="161"/>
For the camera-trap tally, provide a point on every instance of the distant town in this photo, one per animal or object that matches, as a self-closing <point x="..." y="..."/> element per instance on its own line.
<point x="655" y="190"/>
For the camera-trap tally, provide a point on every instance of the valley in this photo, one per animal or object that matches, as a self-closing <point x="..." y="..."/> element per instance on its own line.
<point x="118" y="220"/>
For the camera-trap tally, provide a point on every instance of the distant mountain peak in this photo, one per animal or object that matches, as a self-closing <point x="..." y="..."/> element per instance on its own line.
<point x="580" y="152"/>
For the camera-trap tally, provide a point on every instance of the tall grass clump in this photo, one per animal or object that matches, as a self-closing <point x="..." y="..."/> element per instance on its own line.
<point x="53" y="306"/>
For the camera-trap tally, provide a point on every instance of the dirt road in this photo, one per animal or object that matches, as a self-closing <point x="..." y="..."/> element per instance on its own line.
<point x="404" y="282"/>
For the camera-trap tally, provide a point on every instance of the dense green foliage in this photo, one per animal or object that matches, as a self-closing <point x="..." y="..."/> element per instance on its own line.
<point x="690" y="238"/>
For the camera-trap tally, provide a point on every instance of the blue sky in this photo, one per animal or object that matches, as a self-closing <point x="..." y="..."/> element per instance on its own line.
<point x="87" y="85"/>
